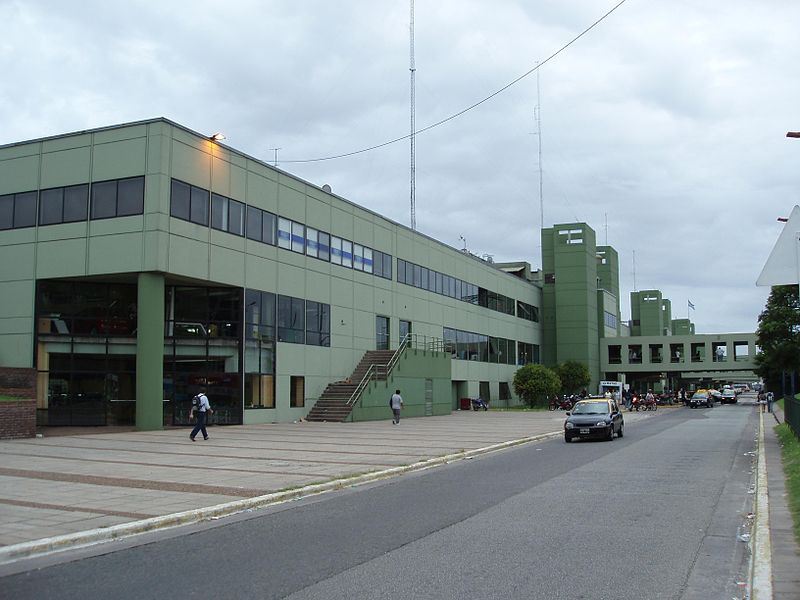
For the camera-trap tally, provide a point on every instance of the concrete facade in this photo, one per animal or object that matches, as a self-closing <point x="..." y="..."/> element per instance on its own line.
<point x="671" y="362"/>
<point x="571" y="303"/>
<point x="152" y="253"/>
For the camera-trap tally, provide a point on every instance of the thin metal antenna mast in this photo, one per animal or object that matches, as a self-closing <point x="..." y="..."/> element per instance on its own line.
<point x="539" y="135"/>
<point x="412" y="69"/>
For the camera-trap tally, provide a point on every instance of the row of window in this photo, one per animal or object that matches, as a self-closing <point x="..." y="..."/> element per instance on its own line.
<point x="439" y="283"/>
<point x="298" y="321"/>
<point x="677" y="352"/>
<point x="190" y="203"/>
<point x="610" y="319"/>
<point x="527" y="311"/>
<point x="466" y="345"/>
<point x="70" y="204"/>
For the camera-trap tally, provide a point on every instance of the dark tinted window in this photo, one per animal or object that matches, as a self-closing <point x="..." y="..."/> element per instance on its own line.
<point x="254" y="224"/>
<point x="130" y="197"/>
<point x="318" y="324"/>
<point x="104" y="199"/>
<point x="199" y="206"/>
<point x="387" y="266"/>
<point x="179" y="200"/>
<point x="25" y="209"/>
<point x="219" y="212"/>
<point x="51" y="207"/>
<point x="291" y="319"/>
<point x="268" y="233"/>
<point x="236" y="217"/>
<point x="6" y="211"/>
<point x="76" y="202"/>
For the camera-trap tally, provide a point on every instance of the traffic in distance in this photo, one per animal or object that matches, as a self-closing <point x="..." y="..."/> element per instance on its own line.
<point x="600" y="418"/>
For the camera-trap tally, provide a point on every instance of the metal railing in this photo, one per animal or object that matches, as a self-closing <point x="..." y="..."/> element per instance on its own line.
<point x="410" y="340"/>
<point x="791" y="411"/>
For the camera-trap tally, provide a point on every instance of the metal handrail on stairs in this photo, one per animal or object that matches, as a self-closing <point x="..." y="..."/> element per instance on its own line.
<point x="409" y="340"/>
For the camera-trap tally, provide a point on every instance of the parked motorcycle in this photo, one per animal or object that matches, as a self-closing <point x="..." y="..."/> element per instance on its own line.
<point x="646" y="404"/>
<point x="479" y="404"/>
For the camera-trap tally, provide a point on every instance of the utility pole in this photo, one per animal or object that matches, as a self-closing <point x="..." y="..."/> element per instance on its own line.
<point x="412" y="68"/>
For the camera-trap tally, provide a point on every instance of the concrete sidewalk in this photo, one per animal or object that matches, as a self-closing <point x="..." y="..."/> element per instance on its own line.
<point x="785" y="551"/>
<point x="59" y="485"/>
<point x="66" y="484"/>
<point x="63" y="484"/>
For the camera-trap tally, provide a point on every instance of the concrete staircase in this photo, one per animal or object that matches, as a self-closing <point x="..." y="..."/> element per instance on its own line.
<point x="332" y="404"/>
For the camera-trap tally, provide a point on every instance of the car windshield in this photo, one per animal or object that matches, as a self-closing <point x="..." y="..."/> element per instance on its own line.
<point x="591" y="408"/>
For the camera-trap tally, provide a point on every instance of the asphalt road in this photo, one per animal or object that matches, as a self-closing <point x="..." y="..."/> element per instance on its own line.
<point x="652" y="515"/>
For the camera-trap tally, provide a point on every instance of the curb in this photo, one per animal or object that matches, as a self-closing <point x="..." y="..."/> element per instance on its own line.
<point x="9" y="554"/>
<point x="761" y="555"/>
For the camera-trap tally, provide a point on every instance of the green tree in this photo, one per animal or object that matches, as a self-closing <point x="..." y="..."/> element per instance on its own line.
<point x="778" y="335"/>
<point x="535" y="383"/>
<point x="574" y="376"/>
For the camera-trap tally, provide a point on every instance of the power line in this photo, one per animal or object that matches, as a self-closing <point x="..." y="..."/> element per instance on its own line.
<point x="472" y="106"/>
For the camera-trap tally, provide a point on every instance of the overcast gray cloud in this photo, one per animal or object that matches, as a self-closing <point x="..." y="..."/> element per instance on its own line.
<point x="663" y="128"/>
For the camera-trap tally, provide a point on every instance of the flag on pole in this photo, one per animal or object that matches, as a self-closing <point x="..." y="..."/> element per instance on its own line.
<point x="690" y="304"/>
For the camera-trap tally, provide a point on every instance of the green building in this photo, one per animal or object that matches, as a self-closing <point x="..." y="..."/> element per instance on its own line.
<point x="682" y="327"/>
<point x="142" y="262"/>
<point x="581" y="321"/>
<point x="580" y="296"/>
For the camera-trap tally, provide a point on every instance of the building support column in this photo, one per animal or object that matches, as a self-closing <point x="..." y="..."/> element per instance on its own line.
<point x="150" y="352"/>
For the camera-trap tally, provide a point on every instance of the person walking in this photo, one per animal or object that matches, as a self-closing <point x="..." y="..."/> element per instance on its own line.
<point x="770" y="400"/>
<point x="396" y="402"/>
<point x="202" y="407"/>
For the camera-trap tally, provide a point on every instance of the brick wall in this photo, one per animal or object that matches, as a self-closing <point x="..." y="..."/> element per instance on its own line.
<point x="19" y="383"/>
<point x="18" y="417"/>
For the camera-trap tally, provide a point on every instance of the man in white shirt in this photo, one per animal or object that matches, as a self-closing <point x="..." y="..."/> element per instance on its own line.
<point x="396" y="403"/>
<point x="202" y="407"/>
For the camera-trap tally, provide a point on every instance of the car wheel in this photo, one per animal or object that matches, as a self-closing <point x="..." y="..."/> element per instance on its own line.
<point x="611" y="434"/>
<point x="621" y="427"/>
<point x="567" y="439"/>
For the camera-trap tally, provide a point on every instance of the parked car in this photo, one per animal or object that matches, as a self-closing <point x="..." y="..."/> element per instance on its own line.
<point x="598" y="418"/>
<point x="728" y="396"/>
<point x="702" y="398"/>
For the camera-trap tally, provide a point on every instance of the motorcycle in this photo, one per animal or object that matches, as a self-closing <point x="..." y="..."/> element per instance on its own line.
<point x="646" y="404"/>
<point x="479" y="404"/>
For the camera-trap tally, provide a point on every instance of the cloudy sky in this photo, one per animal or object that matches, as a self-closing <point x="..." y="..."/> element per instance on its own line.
<point x="663" y="127"/>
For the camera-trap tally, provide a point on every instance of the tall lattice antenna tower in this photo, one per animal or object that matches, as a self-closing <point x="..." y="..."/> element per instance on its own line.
<point x="412" y="68"/>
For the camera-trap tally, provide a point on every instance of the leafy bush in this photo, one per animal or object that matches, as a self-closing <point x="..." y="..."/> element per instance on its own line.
<point x="535" y="383"/>
<point x="574" y="376"/>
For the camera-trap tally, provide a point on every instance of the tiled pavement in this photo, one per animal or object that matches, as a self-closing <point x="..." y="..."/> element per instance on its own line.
<point x="62" y="484"/>
<point x="68" y="483"/>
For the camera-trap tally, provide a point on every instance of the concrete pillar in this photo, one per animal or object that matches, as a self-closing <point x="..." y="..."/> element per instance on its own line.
<point x="150" y="352"/>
